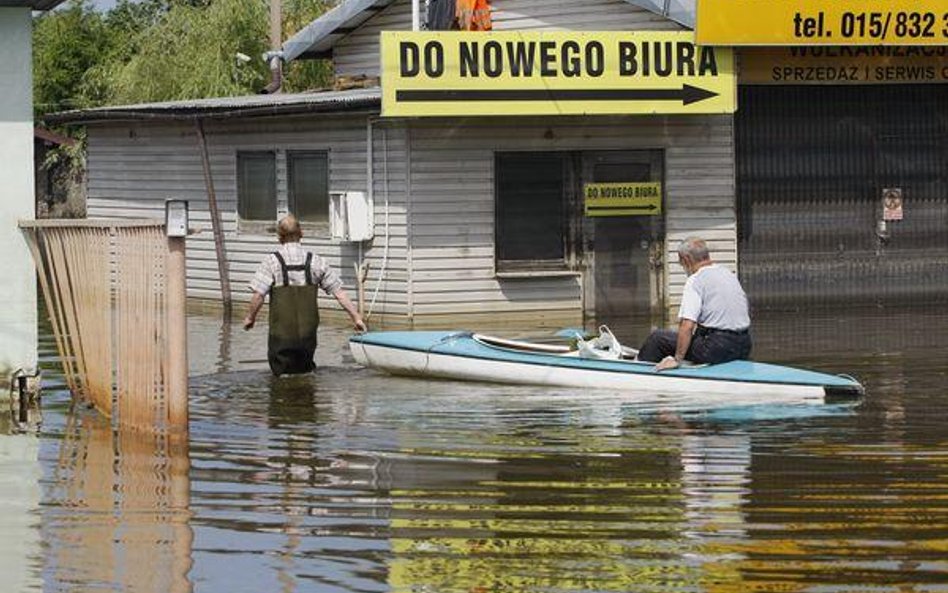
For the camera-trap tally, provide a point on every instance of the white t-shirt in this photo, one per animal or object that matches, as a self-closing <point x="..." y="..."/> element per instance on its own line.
<point x="713" y="297"/>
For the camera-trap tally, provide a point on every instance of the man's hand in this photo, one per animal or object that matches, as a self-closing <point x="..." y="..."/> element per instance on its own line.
<point x="669" y="362"/>
<point x="256" y="302"/>
<point x="359" y="324"/>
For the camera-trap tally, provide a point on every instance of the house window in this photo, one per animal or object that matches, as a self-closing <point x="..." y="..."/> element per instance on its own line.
<point x="531" y="223"/>
<point x="308" y="185"/>
<point x="256" y="186"/>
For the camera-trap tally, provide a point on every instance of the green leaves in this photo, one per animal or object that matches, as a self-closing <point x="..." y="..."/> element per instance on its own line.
<point x="159" y="50"/>
<point x="191" y="53"/>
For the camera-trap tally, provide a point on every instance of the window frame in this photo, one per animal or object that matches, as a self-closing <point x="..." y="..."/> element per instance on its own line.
<point x="252" y="224"/>
<point x="318" y="228"/>
<point x="564" y="265"/>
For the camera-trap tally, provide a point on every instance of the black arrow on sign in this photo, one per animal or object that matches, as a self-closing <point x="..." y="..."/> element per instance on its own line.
<point x="687" y="94"/>
<point x="606" y="208"/>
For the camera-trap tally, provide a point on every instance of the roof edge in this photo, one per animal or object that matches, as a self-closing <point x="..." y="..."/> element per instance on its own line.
<point x="312" y="41"/>
<point x="189" y="111"/>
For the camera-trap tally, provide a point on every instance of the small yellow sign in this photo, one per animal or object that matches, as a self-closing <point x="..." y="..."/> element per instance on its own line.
<point x="822" y="22"/>
<point x="623" y="199"/>
<point x="553" y="73"/>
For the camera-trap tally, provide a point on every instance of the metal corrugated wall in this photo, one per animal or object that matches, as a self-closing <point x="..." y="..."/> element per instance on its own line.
<point x="812" y="165"/>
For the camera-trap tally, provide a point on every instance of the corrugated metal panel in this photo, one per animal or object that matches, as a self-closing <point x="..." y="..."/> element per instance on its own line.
<point x="317" y="38"/>
<point x="563" y="15"/>
<point x="322" y="35"/>
<point x="813" y="162"/>
<point x="133" y="169"/>
<point x="287" y="104"/>
<point x="358" y="53"/>
<point x="452" y="202"/>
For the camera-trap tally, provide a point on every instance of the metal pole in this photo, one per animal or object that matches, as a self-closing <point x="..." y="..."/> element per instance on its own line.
<point x="24" y="414"/>
<point x="362" y="272"/>
<point x="177" y="337"/>
<point x="276" y="24"/>
<point x="415" y="15"/>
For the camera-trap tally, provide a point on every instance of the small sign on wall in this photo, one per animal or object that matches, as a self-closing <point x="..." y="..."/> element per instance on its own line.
<point x="623" y="199"/>
<point x="892" y="204"/>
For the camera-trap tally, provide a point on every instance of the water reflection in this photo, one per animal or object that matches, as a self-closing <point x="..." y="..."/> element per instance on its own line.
<point x="348" y="480"/>
<point x="116" y="510"/>
<point x="19" y="502"/>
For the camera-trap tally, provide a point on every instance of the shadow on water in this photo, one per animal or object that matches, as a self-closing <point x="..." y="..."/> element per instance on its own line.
<point x="348" y="480"/>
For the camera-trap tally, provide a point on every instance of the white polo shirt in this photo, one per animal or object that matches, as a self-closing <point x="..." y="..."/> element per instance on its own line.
<point x="713" y="297"/>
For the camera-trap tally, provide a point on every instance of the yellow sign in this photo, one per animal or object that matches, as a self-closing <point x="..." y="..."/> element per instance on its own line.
<point x="553" y="73"/>
<point x="822" y="22"/>
<point x="844" y="65"/>
<point x="623" y="199"/>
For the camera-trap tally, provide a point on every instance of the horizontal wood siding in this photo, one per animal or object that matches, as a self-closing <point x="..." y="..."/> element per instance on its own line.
<point x="134" y="168"/>
<point x="358" y="53"/>
<point x="452" y="202"/>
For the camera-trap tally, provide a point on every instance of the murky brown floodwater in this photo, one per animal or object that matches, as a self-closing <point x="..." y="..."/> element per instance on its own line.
<point x="353" y="481"/>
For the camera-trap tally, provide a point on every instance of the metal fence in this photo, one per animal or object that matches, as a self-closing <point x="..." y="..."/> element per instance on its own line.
<point x="110" y="294"/>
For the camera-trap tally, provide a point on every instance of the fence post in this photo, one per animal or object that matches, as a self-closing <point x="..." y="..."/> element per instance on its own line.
<point x="177" y="336"/>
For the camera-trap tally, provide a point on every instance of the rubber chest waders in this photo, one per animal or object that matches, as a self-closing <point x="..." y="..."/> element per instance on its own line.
<point x="294" y="319"/>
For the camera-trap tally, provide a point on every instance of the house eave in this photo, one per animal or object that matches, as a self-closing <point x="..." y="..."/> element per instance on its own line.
<point x="317" y="39"/>
<point x="252" y="106"/>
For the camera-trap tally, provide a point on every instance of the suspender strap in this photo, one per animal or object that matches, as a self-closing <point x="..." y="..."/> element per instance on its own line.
<point x="286" y="277"/>
<point x="307" y="268"/>
<point x="309" y="271"/>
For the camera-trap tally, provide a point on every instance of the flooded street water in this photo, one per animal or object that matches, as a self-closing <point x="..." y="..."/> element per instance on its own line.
<point x="349" y="480"/>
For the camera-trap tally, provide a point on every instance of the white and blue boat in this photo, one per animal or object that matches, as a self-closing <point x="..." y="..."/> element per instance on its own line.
<point x="469" y="356"/>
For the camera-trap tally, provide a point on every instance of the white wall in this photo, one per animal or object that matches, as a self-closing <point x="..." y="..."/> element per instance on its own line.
<point x="19" y="470"/>
<point x="18" y="312"/>
<point x="134" y="167"/>
<point x="452" y="202"/>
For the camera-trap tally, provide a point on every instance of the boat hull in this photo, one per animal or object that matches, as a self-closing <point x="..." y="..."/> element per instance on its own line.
<point x="461" y="357"/>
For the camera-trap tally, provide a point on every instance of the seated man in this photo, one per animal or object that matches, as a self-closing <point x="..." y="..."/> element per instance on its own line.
<point x="713" y="321"/>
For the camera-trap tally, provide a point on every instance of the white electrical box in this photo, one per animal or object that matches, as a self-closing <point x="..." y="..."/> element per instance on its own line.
<point x="350" y="216"/>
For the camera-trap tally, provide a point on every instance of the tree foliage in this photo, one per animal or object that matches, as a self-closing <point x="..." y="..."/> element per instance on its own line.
<point x="156" y="50"/>
<point x="67" y="44"/>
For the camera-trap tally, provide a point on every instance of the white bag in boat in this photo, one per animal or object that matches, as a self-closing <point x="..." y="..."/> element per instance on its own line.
<point x="604" y="346"/>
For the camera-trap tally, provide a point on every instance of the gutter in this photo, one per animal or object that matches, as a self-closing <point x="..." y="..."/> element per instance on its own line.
<point x="189" y="115"/>
<point x="275" y="59"/>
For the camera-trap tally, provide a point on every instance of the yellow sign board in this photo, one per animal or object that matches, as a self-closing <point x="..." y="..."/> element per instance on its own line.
<point x="623" y="199"/>
<point x="822" y="22"/>
<point x="553" y="73"/>
<point x="844" y="65"/>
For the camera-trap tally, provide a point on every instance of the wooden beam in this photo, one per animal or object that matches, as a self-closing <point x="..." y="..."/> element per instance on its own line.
<point x="215" y="220"/>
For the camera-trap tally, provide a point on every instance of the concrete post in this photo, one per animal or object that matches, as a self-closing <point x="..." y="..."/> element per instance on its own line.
<point x="177" y="337"/>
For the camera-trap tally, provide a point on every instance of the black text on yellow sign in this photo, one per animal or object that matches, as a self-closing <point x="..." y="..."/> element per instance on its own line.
<point x="553" y="73"/>
<point x="877" y="64"/>
<point x="822" y="22"/>
<point x="623" y="199"/>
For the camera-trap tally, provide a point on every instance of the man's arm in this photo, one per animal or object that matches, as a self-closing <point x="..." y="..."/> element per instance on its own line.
<point x="686" y="329"/>
<point x="343" y="299"/>
<point x="256" y="301"/>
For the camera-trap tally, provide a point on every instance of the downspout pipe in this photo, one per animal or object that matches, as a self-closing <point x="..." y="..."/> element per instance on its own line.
<point x="274" y="57"/>
<point x="275" y="60"/>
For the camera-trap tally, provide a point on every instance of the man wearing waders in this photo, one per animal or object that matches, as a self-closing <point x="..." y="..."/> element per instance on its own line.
<point x="291" y="276"/>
